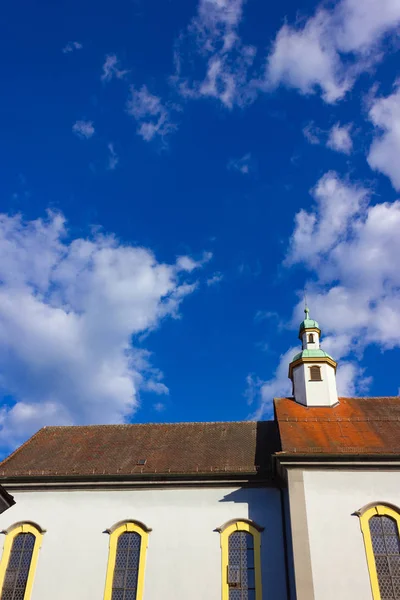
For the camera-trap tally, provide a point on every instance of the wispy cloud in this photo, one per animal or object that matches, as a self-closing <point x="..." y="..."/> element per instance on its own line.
<point x="244" y="164"/>
<point x="312" y="133"/>
<point x="152" y="116"/>
<point x="77" y="303"/>
<point x="340" y="138"/>
<point x="71" y="47"/>
<point x="83" y="129"/>
<point x="216" y="278"/>
<point x="111" y="69"/>
<point x="189" y="264"/>
<point x="212" y="36"/>
<point x="113" y="158"/>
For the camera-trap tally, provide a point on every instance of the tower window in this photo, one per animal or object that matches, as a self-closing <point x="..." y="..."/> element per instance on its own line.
<point x="311" y="338"/>
<point x="315" y="373"/>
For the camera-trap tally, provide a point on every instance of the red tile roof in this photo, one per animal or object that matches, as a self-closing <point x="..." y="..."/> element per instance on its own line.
<point x="365" y="426"/>
<point x="190" y="449"/>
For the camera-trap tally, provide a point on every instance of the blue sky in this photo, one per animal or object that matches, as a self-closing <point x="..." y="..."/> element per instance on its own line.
<point x="174" y="175"/>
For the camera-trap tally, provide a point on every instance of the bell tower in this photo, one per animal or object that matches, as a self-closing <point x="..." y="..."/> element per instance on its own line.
<point x="313" y="371"/>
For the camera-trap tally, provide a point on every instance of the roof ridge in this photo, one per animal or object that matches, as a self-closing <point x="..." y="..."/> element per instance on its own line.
<point x="151" y="423"/>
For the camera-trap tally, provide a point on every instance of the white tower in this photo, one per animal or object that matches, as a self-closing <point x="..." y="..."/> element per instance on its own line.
<point x="313" y="371"/>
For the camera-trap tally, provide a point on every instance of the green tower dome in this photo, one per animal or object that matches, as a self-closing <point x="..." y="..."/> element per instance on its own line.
<point x="308" y="323"/>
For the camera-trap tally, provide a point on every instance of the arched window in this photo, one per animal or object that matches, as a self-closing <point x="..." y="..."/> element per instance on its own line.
<point x="311" y="338"/>
<point x="18" y="563"/>
<point x="241" y="560"/>
<point x="126" y="561"/>
<point x="315" y="373"/>
<point x="380" y="528"/>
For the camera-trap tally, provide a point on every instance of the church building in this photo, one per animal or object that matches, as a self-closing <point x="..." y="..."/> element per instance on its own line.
<point x="303" y="507"/>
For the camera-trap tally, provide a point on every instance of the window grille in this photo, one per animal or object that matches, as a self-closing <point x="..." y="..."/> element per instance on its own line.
<point x="126" y="566"/>
<point x="17" y="572"/>
<point x="241" y="572"/>
<point x="315" y="373"/>
<point x="386" y="547"/>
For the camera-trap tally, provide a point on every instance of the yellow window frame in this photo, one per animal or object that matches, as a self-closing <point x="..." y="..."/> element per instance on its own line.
<point x="11" y="534"/>
<point x="365" y="515"/>
<point x="231" y="527"/>
<point x="115" y="532"/>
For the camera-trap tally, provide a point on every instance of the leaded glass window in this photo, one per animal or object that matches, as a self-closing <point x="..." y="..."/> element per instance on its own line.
<point x="17" y="571"/>
<point x="386" y="547"/>
<point x="241" y="574"/>
<point x="125" y="579"/>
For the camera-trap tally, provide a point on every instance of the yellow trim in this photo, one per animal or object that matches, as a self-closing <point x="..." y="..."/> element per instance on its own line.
<point x="379" y="509"/>
<point x="11" y="534"/>
<point x="311" y="359"/>
<point x="241" y="526"/>
<point x="112" y="555"/>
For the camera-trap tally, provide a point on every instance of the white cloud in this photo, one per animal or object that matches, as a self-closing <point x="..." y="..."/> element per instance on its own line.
<point x="152" y="116"/>
<point x="318" y="231"/>
<point x="216" y="278"/>
<point x="213" y="38"/>
<point x="243" y="164"/>
<point x="340" y="139"/>
<point x="111" y="69"/>
<point x="68" y="311"/>
<point x="329" y="50"/>
<point x="312" y="134"/>
<point x="348" y="245"/>
<point x="186" y="263"/>
<point x="113" y="158"/>
<point x="71" y="46"/>
<point x="385" y="149"/>
<point x="83" y="129"/>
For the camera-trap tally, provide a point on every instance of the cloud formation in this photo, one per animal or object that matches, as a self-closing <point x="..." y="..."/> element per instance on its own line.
<point x="339" y="138"/>
<point x="69" y="309"/>
<point x="152" y="116"/>
<point x="213" y="39"/>
<point x="83" y="129"/>
<point x="243" y="164"/>
<point x="113" y="158"/>
<point x="71" y="47"/>
<point x="328" y="51"/>
<point x="111" y="69"/>
<point x="385" y="149"/>
<point x="347" y="244"/>
<point x="312" y="133"/>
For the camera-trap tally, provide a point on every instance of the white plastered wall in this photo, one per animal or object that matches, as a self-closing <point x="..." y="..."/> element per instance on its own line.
<point x="315" y="393"/>
<point x="337" y="550"/>
<point x="183" y="558"/>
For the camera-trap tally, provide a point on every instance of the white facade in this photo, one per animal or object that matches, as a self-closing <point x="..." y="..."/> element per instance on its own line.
<point x="338" y="559"/>
<point x="184" y="555"/>
<point x="315" y="393"/>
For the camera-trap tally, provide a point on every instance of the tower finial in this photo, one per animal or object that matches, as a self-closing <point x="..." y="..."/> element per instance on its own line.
<point x="306" y="309"/>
